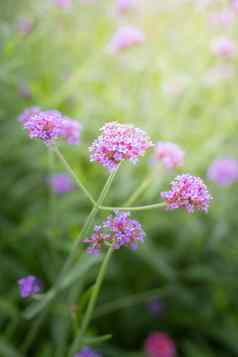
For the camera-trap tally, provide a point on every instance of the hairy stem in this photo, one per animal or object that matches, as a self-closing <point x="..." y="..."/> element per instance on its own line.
<point x="92" y="302"/>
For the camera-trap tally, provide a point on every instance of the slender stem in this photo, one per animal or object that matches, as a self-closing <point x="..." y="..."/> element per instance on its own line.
<point x="92" y="302"/>
<point x="74" y="252"/>
<point x="136" y="208"/>
<point x="73" y="174"/>
<point x="145" y="183"/>
<point x="87" y="223"/>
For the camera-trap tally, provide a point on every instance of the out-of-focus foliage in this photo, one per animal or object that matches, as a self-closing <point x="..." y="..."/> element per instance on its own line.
<point x="189" y="261"/>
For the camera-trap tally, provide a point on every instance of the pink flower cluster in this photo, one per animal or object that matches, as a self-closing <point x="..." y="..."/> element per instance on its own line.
<point x="170" y="154"/>
<point x="124" y="6"/>
<point x="126" y="37"/>
<point x="119" y="230"/>
<point x="187" y="192"/>
<point x="119" y="142"/>
<point x="223" y="172"/>
<point x="159" y="344"/>
<point x="224" y="17"/>
<point x="49" y="125"/>
<point x="64" y="4"/>
<point x="224" y="47"/>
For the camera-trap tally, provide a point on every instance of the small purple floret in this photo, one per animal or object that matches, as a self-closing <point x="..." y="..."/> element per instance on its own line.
<point x="30" y="285"/>
<point x="119" y="142"/>
<point x="28" y="114"/>
<point x="87" y="352"/>
<point x="187" y="192"/>
<point x="118" y="230"/>
<point x="223" y="172"/>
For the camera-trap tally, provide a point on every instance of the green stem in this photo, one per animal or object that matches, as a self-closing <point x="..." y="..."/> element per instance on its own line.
<point x="74" y="252"/>
<point x="136" y="208"/>
<point x="92" y="302"/>
<point x="145" y="183"/>
<point x="73" y="174"/>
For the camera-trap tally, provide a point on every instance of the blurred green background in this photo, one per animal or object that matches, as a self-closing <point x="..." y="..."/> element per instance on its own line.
<point x="188" y="261"/>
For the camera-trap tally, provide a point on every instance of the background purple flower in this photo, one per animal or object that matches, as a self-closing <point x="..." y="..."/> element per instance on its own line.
<point x="124" y="6"/>
<point x="29" y="285"/>
<point x="159" y="344"/>
<point x="87" y="352"/>
<point x="61" y="183"/>
<point x="223" y="172"/>
<point x="25" y="26"/>
<point x="119" y="142"/>
<point x="187" y="192"/>
<point x="125" y="38"/>
<point x="71" y="131"/>
<point x="224" y="47"/>
<point x="170" y="154"/>
<point x="119" y="230"/>
<point x="155" y="307"/>
<point x="64" y="4"/>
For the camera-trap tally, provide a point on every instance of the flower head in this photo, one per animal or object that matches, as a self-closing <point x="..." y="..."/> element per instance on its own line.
<point x="30" y="285"/>
<point x="159" y="344"/>
<point x="224" y="47"/>
<point x="61" y="183"/>
<point x="224" y="17"/>
<point x="71" y="131"/>
<point x="28" y="114"/>
<point x="170" y="154"/>
<point x="119" y="230"/>
<point x="119" y="142"/>
<point x="25" y="26"/>
<point x="155" y="306"/>
<point x="64" y="4"/>
<point x="124" y="6"/>
<point x="87" y="352"/>
<point x="125" y="38"/>
<point x="219" y="73"/>
<point x="187" y="192"/>
<point x="223" y="172"/>
<point x="46" y="126"/>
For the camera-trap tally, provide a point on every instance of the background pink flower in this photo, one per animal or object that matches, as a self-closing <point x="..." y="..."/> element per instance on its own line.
<point x="159" y="344"/>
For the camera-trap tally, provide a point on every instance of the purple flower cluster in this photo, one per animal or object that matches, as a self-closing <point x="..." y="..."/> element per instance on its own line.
<point x="187" y="192"/>
<point x="71" y="131"/>
<point x="119" y="142"/>
<point x="87" y="352"/>
<point x="49" y="125"/>
<point x="126" y="37"/>
<point x="61" y="183"/>
<point x="64" y="4"/>
<point x="223" y="172"/>
<point x="124" y="6"/>
<point x="224" y="47"/>
<point x="30" y="285"/>
<point x="170" y="154"/>
<point x="119" y="230"/>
